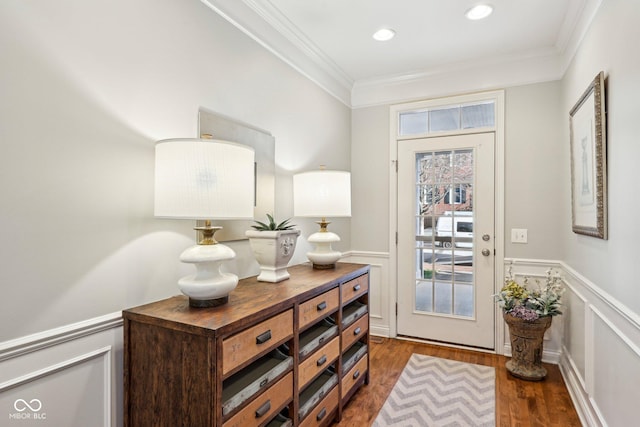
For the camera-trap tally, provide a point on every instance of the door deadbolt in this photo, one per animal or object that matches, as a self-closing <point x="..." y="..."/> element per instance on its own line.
<point x="486" y="237"/>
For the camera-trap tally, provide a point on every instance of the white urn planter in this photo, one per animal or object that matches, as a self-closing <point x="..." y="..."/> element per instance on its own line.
<point x="273" y="250"/>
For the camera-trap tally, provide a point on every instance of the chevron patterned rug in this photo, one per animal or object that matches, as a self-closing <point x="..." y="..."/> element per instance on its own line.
<point x="438" y="392"/>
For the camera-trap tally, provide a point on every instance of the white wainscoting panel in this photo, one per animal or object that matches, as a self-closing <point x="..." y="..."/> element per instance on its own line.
<point x="69" y="376"/>
<point x="381" y="301"/>
<point x="575" y="319"/>
<point x="599" y="354"/>
<point x="616" y="373"/>
<point x="535" y="270"/>
<point x="72" y="375"/>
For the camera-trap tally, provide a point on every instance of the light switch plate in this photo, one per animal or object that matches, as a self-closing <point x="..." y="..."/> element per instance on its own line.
<point x="518" y="235"/>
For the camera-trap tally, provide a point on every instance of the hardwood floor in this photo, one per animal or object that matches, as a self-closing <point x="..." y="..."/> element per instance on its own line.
<point x="518" y="403"/>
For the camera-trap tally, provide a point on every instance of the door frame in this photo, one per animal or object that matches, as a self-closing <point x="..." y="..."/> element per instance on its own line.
<point x="499" y="170"/>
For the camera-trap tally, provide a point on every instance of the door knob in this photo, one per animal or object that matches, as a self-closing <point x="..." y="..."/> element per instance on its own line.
<point x="486" y="252"/>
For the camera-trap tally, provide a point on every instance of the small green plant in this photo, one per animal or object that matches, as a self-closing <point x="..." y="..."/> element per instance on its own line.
<point x="272" y="225"/>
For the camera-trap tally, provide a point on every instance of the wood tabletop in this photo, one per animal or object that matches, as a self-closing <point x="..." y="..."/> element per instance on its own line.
<point x="251" y="300"/>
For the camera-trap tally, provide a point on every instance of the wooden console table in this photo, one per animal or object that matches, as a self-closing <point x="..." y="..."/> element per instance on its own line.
<point x="279" y="354"/>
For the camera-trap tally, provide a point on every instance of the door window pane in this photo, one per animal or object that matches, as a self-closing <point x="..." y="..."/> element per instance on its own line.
<point x="447" y="118"/>
<point x="413" y="122"/>
<point x="478" y="115"/>
<point x="444" y="119"/>
<point x="444" y="232"/>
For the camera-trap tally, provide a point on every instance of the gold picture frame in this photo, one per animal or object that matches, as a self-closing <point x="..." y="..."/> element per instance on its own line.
<point x="589" y="161"/>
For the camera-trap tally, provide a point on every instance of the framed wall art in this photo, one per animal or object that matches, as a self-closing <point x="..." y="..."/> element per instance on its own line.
<point x="589" y="161"/>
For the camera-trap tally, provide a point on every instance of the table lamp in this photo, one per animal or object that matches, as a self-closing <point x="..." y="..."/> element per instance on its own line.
<point x="322" y="193"/>
<point x="205" y="179"/>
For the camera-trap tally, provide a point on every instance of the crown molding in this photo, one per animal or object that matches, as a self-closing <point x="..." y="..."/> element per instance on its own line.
<point x="265" y="24"/>
<point x="269" y="30"/>
<point x="575" y="30"/>
<point x="471" y="76"/>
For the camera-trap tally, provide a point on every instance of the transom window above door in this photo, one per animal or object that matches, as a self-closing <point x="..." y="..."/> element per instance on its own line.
<point x="447" y="118"/>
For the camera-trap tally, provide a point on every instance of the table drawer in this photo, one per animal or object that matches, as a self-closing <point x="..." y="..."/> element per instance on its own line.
<point x="318" y="362"/>
<point x="356" y="331"/>
<point x="256" y="340"/>
<point x="354" y="288"/>
<point x="320" y="415"/>
<point x="265" y="406"/>
<point x="354" y="375"/>
<point x="315" y="308"/>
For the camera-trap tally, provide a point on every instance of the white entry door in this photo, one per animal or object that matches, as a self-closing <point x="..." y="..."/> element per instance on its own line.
<point x="446" y="239"/>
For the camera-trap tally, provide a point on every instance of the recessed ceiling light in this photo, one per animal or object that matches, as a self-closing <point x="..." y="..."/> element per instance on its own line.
<point x="384" y="34"/>
<point x="479" y="11"/>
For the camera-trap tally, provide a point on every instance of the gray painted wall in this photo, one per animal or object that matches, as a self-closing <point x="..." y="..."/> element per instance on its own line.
<point x="607" y="46"/>
<point x="86" y="90"/>
<point x="533" y="170"/>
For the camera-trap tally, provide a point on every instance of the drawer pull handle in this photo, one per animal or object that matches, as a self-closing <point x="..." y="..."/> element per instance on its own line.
<point x="357" y="331"/>
<point x="322" y="360"/>
<point x="264" y="337"/>
<point x="356" y="374"/>
<point x="263" y="409"/>
<point x="356" y="288"/>
<point x="322" y="305"/>
<point x="263" y="382"/>
<point x="321" y="414"/>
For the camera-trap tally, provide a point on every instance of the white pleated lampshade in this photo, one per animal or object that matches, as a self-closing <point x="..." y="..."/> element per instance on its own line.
<point x="322" y="193"/>
<point x="204" y="179"/>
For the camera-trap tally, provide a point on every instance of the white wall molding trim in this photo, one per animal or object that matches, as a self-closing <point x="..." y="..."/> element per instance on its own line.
<point x="381" y="309"/>
<point x="612" y="303"/>
<point x="458" y="79"/>
<point x="265" y="24"/>
<point x="102" y="355"/>
<point x="72" y="373"/>
<point x="569" y="42"/>
<point x="58" y="367"/>
<point x="35" y="342"/>
<point x="578" y="395"/>
<point x="599" y="355"/>
<point x="298" y="53"/>
<point x="367" y="254"/>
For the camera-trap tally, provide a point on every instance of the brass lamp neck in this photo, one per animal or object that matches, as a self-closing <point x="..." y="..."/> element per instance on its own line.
<point x="207" y="233"/>
<point x="323" y="225"/>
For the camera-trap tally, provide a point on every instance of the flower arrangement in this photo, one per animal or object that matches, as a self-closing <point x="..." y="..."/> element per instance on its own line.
<point x="530" y="302"/>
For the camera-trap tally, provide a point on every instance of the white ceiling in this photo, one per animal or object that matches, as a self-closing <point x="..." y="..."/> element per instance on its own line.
<point x="433" y="36"/>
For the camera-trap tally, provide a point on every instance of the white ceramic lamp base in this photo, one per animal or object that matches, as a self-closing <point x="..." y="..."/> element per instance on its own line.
<point x="208" y="287"/>
<point x="324" y="257"/>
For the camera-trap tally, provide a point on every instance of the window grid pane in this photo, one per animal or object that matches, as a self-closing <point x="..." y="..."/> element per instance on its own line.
<point x="413" y="122"/>
<point x="447" y="118"/>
